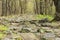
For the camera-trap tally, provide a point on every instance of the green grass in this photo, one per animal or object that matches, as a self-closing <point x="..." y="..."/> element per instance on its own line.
<point x="49" y="17"/>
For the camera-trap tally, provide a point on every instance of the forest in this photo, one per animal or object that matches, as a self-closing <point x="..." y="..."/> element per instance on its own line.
<point x="29" y="19"/>
<point x="31" y="7"/>
<point x="44" y="7"/>
<point x="27" y="6"/>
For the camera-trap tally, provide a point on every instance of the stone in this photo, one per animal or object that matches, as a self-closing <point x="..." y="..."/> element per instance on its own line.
<point x="49" y="36"/>
<point x="57" y="38"/>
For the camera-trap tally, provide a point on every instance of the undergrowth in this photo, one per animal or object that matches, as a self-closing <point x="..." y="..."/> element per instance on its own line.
<point x="49" y="17"/>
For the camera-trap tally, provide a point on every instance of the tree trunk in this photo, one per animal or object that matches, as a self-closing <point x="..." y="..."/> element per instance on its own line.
<point x="57" y="6"/>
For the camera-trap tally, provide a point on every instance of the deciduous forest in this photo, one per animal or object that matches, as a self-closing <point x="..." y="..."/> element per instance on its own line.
<point x="27" y="6"/>
<point x="29" y="19"/>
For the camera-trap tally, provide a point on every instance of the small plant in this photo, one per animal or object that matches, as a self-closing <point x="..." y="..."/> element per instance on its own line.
<point x="2" y="35"/>
<point x="49" y="17"/>
<point x="3" y="28"/>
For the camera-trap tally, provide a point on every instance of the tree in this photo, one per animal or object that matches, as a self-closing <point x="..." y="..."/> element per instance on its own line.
<point x="4" y="7"/>
<point x="57" y="6"/>
<point x="10" y="7"/>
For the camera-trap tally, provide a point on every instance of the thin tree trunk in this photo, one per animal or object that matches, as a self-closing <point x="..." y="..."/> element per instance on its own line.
<point x="4" y="7"/>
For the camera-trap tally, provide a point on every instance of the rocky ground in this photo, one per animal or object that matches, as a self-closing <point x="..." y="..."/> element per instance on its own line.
<point x="20" y="29"/>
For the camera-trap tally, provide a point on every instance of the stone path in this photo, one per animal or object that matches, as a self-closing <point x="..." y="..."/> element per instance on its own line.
<point x="30" y="30"/>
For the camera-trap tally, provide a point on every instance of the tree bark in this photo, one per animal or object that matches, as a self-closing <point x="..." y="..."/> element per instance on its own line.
<point x="57" y="13"/>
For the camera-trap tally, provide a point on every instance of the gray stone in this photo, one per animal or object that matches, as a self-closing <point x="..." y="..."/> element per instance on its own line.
<point x="49" y="35"/>
<point x="57" y="38"/>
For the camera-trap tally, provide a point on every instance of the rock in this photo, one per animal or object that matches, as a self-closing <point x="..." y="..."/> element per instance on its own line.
<point x="29" y="36"/>
<point x="15" y="24"/>
<point x="47" y="29"/>
<point x="38" y="35"/>
<point x="6" y="39"/>
<point x="24" y="30"/>
<point x="57" y="32"/>
<point x="57" y="38"/>
<point x="18" y="19"/>
<point x="49" y="36"/>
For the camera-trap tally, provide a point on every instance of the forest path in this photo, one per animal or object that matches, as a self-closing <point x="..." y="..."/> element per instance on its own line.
<point x="27" y="29"/>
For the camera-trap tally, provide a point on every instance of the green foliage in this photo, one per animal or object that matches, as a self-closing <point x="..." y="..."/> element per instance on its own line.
<point x="3" y="28"/>
<point x="2" y="35"/>
<point x="49" y="17"/>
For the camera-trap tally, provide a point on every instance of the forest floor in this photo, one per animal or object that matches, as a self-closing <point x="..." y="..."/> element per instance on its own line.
<point x="24" y="28"/>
